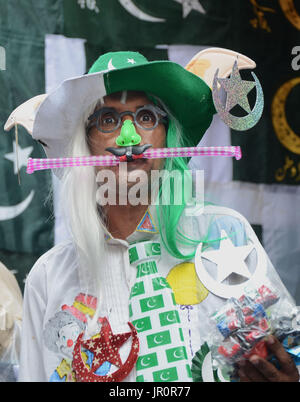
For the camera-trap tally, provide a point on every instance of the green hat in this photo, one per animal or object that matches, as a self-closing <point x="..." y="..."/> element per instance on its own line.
<point x="186" y="95"/>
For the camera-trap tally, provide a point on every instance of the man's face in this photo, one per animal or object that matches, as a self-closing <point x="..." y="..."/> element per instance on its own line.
<point x="99" y="141"/>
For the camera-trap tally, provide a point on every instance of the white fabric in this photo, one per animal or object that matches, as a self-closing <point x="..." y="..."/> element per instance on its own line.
<point x="64" y="58"/>
<point x="49" y="131"/>
<point x="218" y="168"/>
<point x="59" y="68"/>
<point x="53" y="282"/>
<point x="182" y="54"/>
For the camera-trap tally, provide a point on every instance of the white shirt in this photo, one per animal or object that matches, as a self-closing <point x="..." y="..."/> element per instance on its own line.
<point x="53" y="283"/>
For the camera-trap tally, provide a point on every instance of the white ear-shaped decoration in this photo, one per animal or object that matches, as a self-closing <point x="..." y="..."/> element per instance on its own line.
<point x="205" y="63"/>
<point x="24" y="114"/>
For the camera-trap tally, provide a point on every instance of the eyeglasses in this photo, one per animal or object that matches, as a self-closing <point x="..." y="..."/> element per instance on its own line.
<point x="107" y="119"/>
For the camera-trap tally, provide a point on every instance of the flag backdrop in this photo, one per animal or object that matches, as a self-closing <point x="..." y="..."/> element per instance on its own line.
<point x="62" y="39"/>
<point x="26" y="219"/>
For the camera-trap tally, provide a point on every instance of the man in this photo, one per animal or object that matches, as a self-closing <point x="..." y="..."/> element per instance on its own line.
<point x="133" y="275"/>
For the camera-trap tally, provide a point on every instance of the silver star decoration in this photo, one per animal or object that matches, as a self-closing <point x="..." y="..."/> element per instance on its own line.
<point x="189" y="5"/>
<point x="230" y="259"/>
<point x="237" y="90"/>
<point x="19" y="158"/>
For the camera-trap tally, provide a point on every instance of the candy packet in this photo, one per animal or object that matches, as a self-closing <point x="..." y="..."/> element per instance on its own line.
<point x="240" y="326"/>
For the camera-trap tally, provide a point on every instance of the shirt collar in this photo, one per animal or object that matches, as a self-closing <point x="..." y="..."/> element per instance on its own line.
<point x="145" y="229"/>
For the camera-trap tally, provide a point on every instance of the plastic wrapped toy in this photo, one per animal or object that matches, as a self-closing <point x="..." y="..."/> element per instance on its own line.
<point x="241" y="325"/>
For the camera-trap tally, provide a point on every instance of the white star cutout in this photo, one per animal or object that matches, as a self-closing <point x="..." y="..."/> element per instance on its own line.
<point x="21" y="158"/>
<point x="230" y="259"/>
<point x="189" y="5"/>
<point x="131" y="61"/>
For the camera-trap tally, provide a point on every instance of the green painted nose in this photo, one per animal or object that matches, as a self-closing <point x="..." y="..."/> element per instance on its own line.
<point x="128" y="135"/>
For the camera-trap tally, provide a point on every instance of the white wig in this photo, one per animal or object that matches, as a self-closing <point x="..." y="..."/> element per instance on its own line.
<point x="79" y="207"/>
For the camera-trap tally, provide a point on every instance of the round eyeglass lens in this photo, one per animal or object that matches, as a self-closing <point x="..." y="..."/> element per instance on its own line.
<point x="108" y="121"/>
<point x="146" y="118"/>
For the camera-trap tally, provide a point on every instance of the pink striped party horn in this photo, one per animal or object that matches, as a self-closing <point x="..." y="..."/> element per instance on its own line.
<point x="152" y="153"/>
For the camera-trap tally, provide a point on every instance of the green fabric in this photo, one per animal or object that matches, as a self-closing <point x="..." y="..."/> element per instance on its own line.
<point x="118" y="59"/>
<point x="188" y="97"/>
<point x="23" y="24"/>
<point x="115" y="28"/>
<point x="92" y="52"/>
<point x="262" y="31"/>
<point x="265" y="158"/>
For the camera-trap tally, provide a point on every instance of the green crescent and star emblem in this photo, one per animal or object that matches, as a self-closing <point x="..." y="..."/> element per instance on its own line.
<point x="152" y="249"/>
<point x="190" y="5"/>
<point x="160" y="283"/>
<point x="19" y="158"/>
<point x="169" y="317"/>
<point x="159" y="339"/>
<point x="151" y="303"/>
<point x="147" y="361"/>
<point x="175" y="354"/>
<point x="137" y="289"/>
<point x="202" y="367"/>
<point x="166" y="375"/>
<point x="143" y="324"/>
<point x="129" y="5"/>
<point x="146" y="268"/>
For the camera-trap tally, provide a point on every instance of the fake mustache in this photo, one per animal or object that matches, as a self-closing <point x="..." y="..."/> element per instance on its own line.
<point x="129" y="153"/>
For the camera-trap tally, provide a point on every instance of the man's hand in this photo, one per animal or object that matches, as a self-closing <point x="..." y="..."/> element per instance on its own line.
<point x="257" y="369"/>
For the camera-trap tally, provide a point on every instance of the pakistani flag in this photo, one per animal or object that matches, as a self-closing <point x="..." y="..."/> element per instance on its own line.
<point x="26" y="218"/>
<point x="140" y="25"/>
<point x="263" y="185"/>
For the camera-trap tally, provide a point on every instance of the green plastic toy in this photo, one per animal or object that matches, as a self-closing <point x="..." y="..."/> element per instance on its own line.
<point x="128" y="135"/>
